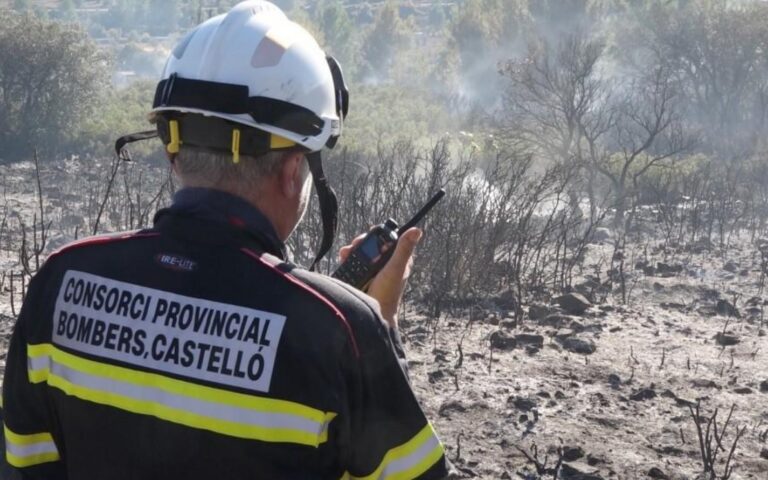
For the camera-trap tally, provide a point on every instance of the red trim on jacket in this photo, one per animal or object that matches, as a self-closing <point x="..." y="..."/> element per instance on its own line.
<point x="101" y="239"/>
<point x="311" y="291"/>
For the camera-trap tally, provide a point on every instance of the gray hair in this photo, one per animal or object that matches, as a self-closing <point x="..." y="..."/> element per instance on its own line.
<point x="208" y="168"/>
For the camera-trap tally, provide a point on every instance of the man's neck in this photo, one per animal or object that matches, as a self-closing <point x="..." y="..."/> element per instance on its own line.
<point x="266" y="198"/>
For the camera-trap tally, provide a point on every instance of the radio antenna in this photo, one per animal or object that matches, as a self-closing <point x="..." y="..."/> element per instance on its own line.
<point x="420" y="214"/>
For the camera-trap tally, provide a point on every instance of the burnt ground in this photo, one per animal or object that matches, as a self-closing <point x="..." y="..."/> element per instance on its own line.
<point x="621" y="411"/>
<point x="608" y="389"/>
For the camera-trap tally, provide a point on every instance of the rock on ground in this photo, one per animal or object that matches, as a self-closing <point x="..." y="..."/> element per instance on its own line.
<point x="502" y="341"/>
<point x="578" y="345"/>
<point x="726" y="309"/>
<point x="573" y="303"/>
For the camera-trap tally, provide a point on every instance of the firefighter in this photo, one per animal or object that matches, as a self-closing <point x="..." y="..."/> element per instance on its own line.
<point x="194" y="349"/>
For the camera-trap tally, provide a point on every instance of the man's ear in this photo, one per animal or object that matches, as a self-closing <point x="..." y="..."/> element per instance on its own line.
<point x="291" y="181"/>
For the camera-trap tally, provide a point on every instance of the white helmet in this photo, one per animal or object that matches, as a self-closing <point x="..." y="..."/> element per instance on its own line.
<point x="254" y="67"/>
<point x="249" y="82"/>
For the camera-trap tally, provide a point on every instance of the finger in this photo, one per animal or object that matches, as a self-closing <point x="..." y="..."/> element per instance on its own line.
<point x="356" y="241"/>
<point x="387" y="287"/>
<point x="346" y="249"/>
<point x="401" y="258"/>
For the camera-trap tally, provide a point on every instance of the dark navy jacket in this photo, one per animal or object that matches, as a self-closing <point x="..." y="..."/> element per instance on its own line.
<point x="192" y="350"/>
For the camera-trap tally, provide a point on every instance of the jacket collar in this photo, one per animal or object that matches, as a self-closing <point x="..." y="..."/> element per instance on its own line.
<point x="224" y="208"/>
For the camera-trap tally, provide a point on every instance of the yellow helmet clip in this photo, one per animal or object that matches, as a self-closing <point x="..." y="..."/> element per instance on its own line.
<point x="173" y="145"/>
<point x="235" y="146"/>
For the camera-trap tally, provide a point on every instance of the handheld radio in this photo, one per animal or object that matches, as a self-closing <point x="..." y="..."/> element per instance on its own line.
<point x="373" y="252"/>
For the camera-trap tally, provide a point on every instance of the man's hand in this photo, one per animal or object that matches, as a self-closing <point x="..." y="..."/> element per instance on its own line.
<point x="388" y="285"/>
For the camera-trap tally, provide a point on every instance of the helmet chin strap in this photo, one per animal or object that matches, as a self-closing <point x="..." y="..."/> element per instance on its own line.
<point x="329" y="207"/>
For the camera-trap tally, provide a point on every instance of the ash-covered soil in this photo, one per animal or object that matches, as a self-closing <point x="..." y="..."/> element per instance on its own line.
<point x="607" y="390"/>
<point x="494" y="386"/>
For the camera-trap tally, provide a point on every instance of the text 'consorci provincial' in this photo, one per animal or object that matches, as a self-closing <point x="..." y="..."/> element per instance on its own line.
<point x="182" y="335"/>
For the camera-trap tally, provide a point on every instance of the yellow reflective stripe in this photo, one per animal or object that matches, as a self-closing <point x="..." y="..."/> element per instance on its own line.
<point x="19" y="439"/>
<point x="180" y="390"/>
<point x="28" y="450"/>
<point x="408" y="460"/>
<point x="148" y="407"/>
<point x="176" y="386"/>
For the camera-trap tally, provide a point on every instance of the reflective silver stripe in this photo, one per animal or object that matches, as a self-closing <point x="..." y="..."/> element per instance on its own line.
<point x="204" y="408"/>
<point x="31" y="449"/>
<point x="409" y="461"/>
<point x="38" y="363"/>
